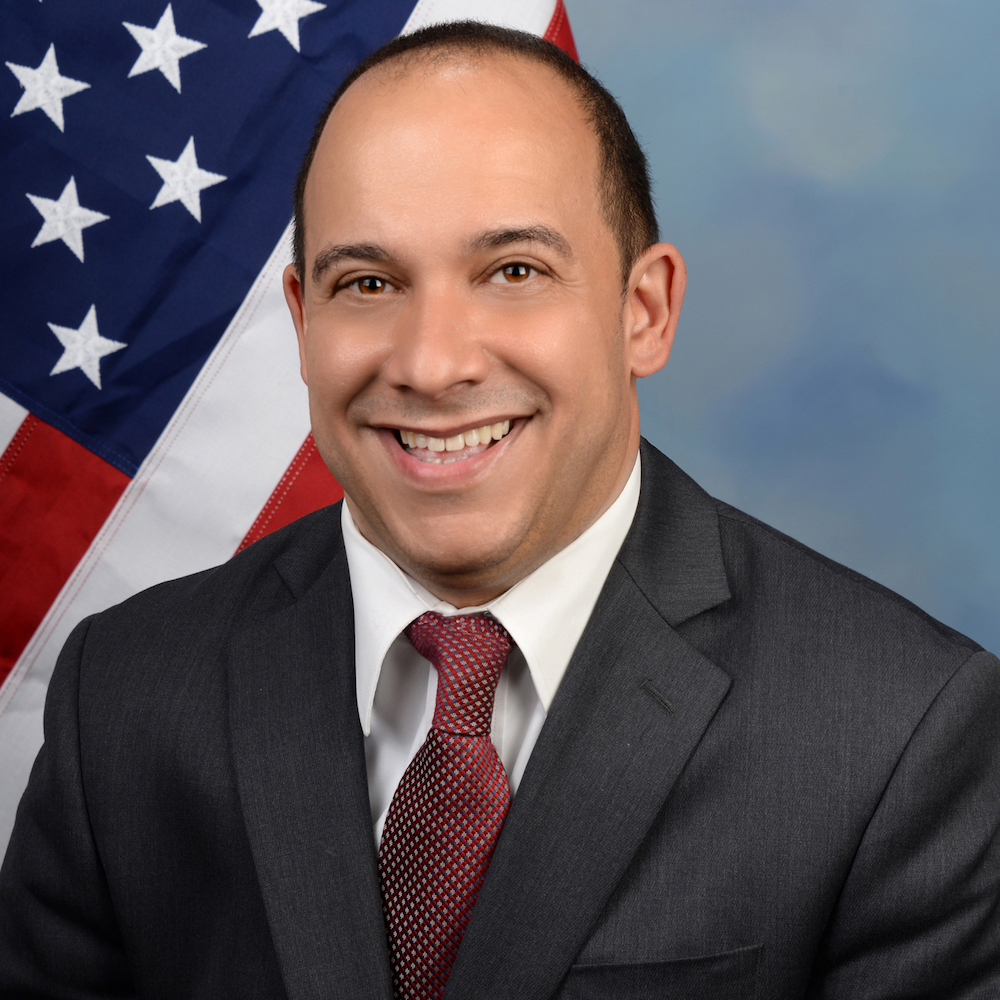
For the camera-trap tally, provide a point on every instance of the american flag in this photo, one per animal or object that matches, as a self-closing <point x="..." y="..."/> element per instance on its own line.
<point x="152" y="419"/>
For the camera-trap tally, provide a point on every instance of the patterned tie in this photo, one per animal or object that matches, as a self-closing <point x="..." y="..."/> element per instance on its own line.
<point x="448" y="808"/>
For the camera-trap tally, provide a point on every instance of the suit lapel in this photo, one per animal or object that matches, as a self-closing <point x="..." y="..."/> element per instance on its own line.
<point x="630" y="711"/>
<point x="300" y="763"/>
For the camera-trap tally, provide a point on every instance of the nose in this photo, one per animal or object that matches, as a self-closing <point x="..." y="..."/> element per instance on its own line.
<point x="437" y="350"/>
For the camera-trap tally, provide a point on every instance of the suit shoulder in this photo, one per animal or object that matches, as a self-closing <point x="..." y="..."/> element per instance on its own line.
<point x="818" y="587"/>
<point x="270" y="572"/>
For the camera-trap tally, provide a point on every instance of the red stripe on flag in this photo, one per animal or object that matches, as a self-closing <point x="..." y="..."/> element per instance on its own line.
<point x="54" y="496"/>
<point x="306" y="486"/>
<point x="559" y="33"/>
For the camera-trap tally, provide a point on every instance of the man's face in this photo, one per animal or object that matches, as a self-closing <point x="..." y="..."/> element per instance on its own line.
<point x="459" y="275"/>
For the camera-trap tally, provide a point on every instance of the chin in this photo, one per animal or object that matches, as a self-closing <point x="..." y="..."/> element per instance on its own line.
<point x="458" y="561"/>
<point x="467" y="560"/>
<point x="448" y="550"/>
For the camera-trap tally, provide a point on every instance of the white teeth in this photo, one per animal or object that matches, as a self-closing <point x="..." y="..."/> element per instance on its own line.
<point x="468" y="439"/>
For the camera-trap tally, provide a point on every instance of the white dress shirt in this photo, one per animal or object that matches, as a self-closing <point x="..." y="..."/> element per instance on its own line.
<point x="545" y="614"/>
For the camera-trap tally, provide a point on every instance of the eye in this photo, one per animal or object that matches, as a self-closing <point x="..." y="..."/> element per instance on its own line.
<point x="370" y="285"/>
<point x="512" y="274"/>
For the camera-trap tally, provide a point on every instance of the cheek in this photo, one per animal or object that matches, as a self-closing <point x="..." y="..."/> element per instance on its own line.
<point x="579" y="363"/>
<point x="341" y="361"/>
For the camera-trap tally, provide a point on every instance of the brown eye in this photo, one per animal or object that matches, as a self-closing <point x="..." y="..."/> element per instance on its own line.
<point x="512" y="274"/>
<point x="370" y="285"/>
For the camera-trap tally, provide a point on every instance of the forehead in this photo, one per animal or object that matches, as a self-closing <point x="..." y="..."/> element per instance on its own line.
<point x="504" y="133"/>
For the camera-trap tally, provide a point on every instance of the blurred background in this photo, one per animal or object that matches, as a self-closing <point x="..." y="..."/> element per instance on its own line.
<point x="830" y="170"/>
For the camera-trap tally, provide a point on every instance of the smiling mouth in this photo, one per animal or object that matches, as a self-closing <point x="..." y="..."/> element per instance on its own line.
<point x="445" y="450"/>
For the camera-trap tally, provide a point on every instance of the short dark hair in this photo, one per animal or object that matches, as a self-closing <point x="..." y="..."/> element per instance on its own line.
<point x="626" y="198"/>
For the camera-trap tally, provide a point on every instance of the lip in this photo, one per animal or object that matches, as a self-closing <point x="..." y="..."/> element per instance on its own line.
<point x="431" y="475"/>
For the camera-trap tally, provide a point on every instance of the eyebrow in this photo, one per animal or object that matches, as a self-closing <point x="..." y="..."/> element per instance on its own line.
<point x="333" y="254"/>
<point x="494" y="239"/>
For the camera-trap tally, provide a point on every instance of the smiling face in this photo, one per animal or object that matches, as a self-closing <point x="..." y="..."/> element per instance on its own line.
<point x="470" y="358"/>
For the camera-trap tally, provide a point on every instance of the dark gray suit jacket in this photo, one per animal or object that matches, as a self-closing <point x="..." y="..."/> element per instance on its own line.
<point x="763" y="776"/>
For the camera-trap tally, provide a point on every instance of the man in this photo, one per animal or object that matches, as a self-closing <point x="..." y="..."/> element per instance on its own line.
<point x="720" y="765"/>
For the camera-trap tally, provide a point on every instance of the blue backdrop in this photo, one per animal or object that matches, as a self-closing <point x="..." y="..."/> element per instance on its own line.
<point x="830" y="170"/>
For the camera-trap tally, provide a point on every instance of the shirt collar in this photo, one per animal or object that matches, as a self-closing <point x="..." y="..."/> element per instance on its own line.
<point x="564" y="589"/>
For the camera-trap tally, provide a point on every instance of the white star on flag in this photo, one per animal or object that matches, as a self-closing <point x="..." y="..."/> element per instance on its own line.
<point x="183" y="180"/>
<point x="65" y="219"/>
<point x="44" y="88"/>
<point x="284" y="16"/>
<point x="83" y="348"/>
<point x="162" y="48"/>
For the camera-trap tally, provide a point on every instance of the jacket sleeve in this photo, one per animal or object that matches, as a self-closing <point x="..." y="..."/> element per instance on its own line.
<point x="919" y="915"/>
<point x="58" y="935"/>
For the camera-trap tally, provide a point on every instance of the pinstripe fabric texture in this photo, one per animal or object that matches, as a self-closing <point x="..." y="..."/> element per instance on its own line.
<point x="448" y="808"/>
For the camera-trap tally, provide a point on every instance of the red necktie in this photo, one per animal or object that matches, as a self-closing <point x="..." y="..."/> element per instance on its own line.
<point x="448" y="808"/>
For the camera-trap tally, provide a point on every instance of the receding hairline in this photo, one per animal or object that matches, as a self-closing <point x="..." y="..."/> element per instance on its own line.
<point x="432" y="60"/>
<point x="403" y="65"/>
<point x="622" y="176"/>
<point x="452" y="51"/>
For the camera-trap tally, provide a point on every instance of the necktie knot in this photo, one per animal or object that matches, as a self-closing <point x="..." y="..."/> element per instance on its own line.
<point x="469" y="652"/>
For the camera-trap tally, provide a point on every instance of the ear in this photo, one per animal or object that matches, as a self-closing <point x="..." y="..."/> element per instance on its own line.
<point x="653" y="303"/>
<point x="293" y="296"/>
